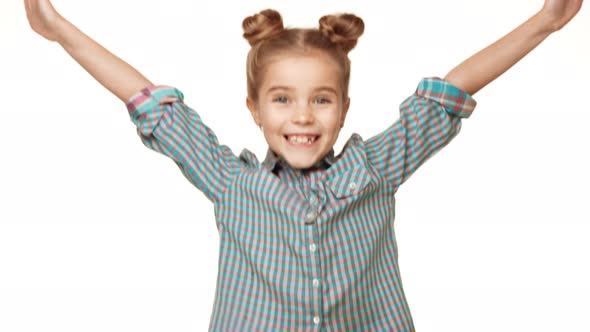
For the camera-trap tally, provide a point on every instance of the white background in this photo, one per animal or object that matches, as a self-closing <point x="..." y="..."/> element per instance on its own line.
<point x="99" y="233"/>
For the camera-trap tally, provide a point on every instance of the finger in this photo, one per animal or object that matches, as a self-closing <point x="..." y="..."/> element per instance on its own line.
<point x="28" y="10"/>
<point x="32" y="5"/>
<point x="28" y="6"/>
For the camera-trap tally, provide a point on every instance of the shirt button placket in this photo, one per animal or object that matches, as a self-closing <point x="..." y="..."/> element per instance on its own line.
<point x="316" y="295"/>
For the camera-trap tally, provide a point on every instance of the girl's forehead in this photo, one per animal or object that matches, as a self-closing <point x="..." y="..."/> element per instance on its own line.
<point x="301" y="72"/>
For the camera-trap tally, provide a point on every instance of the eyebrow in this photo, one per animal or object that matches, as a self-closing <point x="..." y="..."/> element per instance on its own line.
<point x="321" y="88"/>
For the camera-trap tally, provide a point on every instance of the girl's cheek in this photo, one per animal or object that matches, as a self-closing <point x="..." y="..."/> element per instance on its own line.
<point x="330" y="119"/>
<point x="276" y="116"/>
<point x="273" y="121"/>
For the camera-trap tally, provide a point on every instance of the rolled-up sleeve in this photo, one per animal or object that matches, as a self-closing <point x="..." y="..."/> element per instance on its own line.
<point x="168" y="126"/>
<point x="429" y="119"/>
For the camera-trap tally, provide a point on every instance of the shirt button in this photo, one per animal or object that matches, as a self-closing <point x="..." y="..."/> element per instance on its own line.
<point x="310" y="217"/>
<point x="352" y="185"/>
<point x="316" y="320"/>
<point x="316" y="282"/>
<point x="312" y="247"/>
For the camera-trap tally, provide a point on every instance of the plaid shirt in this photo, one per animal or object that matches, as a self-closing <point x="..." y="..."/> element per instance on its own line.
<point x="305" y="250"/>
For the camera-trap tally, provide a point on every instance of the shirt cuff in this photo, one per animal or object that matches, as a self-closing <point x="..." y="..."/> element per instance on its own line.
<point x="151" y="96"/>
<point x="454" y="100"/>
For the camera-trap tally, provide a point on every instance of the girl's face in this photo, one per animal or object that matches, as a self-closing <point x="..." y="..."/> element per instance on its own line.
<point x="300" y="108"/>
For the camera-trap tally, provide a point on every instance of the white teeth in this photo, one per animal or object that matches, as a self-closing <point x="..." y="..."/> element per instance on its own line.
<point x="301" y="139"/>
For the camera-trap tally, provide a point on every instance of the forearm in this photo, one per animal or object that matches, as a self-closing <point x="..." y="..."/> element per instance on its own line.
<point x="113" y="73"/>
<point x="491" y="62"/>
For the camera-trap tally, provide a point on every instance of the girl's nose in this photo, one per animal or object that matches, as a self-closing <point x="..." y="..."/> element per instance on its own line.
<point x="303" y="115"/>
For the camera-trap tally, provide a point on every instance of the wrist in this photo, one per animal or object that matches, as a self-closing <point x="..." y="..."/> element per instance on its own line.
<point x="546" y="23"/>
<point x="63" y="32"/>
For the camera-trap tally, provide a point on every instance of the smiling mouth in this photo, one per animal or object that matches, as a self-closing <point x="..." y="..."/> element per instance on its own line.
<point x="301" y="139"/>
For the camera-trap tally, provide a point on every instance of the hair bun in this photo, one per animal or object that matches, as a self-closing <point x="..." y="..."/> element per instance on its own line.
<point x="342" y="29"/>
<point x="262" y="26"/>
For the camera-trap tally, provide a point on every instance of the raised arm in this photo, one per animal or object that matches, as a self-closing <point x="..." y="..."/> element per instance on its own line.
<point x="491" y="62"/>
<point x="109" y="70"/>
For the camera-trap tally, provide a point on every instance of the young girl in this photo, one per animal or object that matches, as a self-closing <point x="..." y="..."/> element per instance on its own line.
<point x="306" y="236"/>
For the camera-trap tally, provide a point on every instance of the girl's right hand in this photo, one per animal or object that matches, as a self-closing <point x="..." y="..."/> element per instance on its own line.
<point x="43" y="18"/>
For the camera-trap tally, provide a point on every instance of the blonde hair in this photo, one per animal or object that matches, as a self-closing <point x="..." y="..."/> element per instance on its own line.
<point x="335" y="37"/>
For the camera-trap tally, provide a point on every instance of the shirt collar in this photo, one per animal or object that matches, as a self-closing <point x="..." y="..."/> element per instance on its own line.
<point x="273" y="160"/>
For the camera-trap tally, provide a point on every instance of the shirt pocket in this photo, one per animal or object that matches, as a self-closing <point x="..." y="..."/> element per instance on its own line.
<point x="349" y="183"/>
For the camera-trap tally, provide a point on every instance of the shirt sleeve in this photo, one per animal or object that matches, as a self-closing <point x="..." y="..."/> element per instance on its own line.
<point x="429" y="120"/>
<point x="166" y="125"/>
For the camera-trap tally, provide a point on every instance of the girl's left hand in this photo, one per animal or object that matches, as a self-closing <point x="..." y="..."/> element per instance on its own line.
<point x="559" y="12"/>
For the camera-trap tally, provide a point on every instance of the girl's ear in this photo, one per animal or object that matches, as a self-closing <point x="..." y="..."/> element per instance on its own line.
<point x="345" y="111"/>
<point x="253" y="107"/>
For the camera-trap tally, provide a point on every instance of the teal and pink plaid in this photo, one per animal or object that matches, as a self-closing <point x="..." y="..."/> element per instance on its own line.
<point x="306" y="250"/>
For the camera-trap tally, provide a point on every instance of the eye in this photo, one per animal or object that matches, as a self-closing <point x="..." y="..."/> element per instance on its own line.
<point x="280" y="99"/>
<point x="323" y="100"/>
